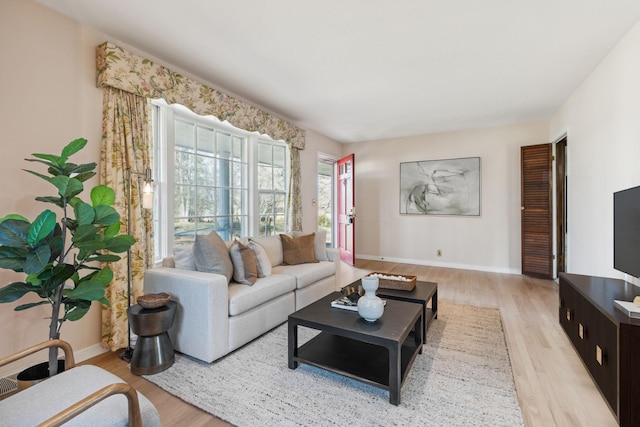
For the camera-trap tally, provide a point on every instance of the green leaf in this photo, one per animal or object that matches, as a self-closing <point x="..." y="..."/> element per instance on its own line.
<point x="39" y="175"/>
<point x="30" y="305"/>
<point x="50" y="158"/>
<point x="82" y="177"/>
<point x="104" y="276"/>
<point x="76" y="313"/>
<point x="106" y="215"/>
<point x="37" y="259"/>
<point x="101" y="195"/>
<point x="14" y="291"/>
<point x="112" y="230"/>
<point x="88" y="290"/>
<point x="55" y="200"/>
<point x="73" y="147"/>
<point x="87" y="233"/>
<point x="13" y="258"/>
<point x="84" y="213"/>
<point x="14" y="216"/>
<point x="13" y="233"/>
<point x="120" y="243"/>
<point x="81" y="169"/>
<point x="104" y="258"/>
<point x="41" y="227"/>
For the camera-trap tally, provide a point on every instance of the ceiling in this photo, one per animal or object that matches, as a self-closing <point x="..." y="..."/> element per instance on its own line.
<point x="360" y="70"/>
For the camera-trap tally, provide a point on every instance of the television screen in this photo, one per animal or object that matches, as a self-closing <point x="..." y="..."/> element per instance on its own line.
<point x="626" y="231"/>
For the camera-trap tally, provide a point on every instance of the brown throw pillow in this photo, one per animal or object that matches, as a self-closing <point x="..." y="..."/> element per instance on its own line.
<point x="245" y="270"/>
<point x="298" y="250"/>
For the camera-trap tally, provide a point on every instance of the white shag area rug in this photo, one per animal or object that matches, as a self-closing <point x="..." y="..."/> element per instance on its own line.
<point x="462" y="378"/>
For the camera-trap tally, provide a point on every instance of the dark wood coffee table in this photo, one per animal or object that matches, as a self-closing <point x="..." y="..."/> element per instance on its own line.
<point x="423" y="293"/>
<point x="379" y="353"/>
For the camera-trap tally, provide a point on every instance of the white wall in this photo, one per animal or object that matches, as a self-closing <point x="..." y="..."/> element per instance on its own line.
<point x="490" y="242"/>
<point x="602" y="122"/>
<point x="49" y="97"/>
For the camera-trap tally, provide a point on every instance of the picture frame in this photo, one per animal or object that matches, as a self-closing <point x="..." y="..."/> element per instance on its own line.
<point x="441" y="187"/>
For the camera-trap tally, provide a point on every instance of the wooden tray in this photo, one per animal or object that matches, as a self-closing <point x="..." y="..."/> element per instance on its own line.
<point x="391" y="283"/>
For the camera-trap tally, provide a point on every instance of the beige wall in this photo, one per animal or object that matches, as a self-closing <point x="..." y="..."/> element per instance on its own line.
<point x="47" y="82"/>
<point x="490" y="242"/>
<point x="602" y="122"/>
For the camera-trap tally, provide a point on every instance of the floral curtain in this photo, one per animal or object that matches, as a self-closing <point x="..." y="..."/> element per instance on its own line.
<point x="124" y="70"/>
<point x="294" y="202"/>
<point x="125" y="154"/>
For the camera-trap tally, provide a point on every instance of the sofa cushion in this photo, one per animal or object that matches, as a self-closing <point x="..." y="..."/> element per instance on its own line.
<point x="272" y="246"/>
<point x="298" y="250"/>
<point x="183" y="258"/>
<point x="243" y="298"/>
<point x="245" y="269"/>
<point x="212" y="255"/>
<point x="307" y="274"/>
<point x="319" y="243"/>
<point x="263" y="263"/>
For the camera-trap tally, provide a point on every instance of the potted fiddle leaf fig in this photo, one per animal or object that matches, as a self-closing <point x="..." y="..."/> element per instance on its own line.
<point x="63" y="256"/>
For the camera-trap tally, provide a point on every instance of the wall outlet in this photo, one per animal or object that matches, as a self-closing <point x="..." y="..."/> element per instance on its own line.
<point x="439" y="252"/>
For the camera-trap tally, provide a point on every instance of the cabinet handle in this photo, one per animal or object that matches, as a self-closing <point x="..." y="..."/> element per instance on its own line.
<point x="569" y="315"/>
<point x="580" y="331"/>
<point x="599" y="355"/>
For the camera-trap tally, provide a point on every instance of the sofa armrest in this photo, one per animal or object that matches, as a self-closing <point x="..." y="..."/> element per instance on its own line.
<point x="201" y="326"/>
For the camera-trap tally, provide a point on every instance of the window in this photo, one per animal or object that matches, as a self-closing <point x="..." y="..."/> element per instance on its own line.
<point x="272" y="191"/>
<point x="326" y="173"/>
<point x="211" y="176"/>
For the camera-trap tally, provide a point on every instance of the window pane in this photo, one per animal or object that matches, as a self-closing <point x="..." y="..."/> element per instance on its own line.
<point x="184" y="201"/>
<point x="238" y="148"/>
<point x="279" y="179"/>
<point x="265" y="177"/>
<point x="206" y="171"/>
<point x="206" y="142"/>
<point x="279" y="153"/>
<point x="206" y="203"/>
<point x="264" y="154"/>
<point x="184" y="168"/>
<point x="279" y="224"/>
<point x="279" y="203"/>
<point x="224" y="145"/>
<point x="184" y="136"/>
<point x="238" y="175"/>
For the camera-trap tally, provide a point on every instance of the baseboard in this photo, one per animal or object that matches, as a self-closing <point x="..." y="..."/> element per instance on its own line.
<point x="440" y="264"/>
<point x="79" y="356"/>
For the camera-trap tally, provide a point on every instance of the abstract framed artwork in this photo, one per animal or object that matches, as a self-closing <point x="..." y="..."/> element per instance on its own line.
<point x="440" y="187"/>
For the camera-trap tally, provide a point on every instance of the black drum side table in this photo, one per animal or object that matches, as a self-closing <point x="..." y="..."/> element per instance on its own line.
<point x="153" y="352"/>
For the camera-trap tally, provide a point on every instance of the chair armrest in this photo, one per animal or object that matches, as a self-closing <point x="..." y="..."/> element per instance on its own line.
<point x="135" y="419"/>
<point x="69" y="361"/>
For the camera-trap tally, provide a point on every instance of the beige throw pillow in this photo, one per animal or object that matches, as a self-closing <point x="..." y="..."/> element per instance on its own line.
<point x="245" y="269"/>
<point x="262" y="259"/>
<point x="319" y="244"/>
<point x="212" y="256"/>
<point x="298" y="250"/>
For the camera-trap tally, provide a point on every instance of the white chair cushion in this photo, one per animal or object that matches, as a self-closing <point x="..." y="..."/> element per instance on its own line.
<point x="36" y="404"/>
<point x="306" y="274"/>
<point x="243" y="298"/>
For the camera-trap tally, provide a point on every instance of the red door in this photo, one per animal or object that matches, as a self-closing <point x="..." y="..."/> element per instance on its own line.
<point x="346" y="209"/>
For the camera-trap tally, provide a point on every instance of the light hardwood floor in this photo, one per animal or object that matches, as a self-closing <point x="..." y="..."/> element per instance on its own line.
<point x="554" y="388"/>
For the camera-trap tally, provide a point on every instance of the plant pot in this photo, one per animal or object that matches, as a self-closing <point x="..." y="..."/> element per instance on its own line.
<point x="35" y="374"/>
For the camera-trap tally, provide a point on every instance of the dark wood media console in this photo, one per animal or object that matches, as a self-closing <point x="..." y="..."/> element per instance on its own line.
<point x="606" y="339"/>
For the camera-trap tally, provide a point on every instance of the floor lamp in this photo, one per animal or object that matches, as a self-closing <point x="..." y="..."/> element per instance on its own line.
<point x="147" y="203"/>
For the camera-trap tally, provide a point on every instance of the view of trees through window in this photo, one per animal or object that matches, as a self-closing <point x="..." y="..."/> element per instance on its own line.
<point x="210" y="184"/>
<point x="211" y="176"/>
<point x="325" y="198"/>
<point x="272" y="187"/>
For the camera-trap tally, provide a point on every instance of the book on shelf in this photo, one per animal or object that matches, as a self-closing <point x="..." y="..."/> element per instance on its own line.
<point x="629" y="308"/>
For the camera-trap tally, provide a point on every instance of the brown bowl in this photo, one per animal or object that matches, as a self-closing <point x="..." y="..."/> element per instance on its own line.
<point x="154" y="300"/>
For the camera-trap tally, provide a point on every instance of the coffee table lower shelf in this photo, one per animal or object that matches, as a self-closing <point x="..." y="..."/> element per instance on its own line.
<point x="361" y="361"/>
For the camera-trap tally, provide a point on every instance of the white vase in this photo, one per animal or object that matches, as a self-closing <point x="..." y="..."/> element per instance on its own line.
<point x="370" y="306"/>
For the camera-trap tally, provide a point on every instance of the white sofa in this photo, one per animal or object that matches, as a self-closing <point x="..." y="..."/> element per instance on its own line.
<point x="215" y="317"/>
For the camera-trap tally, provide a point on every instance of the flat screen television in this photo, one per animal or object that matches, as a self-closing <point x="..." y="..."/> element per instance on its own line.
<point x="626" y="231"/>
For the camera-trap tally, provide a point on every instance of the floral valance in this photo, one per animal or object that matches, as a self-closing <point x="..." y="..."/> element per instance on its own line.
<point x="129" y="72"/>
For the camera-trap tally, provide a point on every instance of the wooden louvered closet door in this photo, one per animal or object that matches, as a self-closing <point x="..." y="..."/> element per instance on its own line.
<point x="536" y="213"/>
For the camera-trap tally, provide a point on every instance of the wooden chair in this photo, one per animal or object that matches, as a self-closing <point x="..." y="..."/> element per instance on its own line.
<point x="77" y="395"/>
